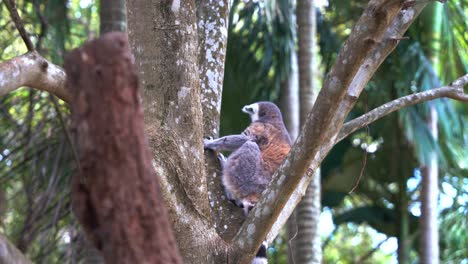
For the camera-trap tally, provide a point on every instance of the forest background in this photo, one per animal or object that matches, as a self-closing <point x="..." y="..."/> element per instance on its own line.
<point x="378" y="222"/>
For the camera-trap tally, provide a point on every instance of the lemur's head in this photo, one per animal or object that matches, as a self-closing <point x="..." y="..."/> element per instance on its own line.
<point x="263" y="112"/>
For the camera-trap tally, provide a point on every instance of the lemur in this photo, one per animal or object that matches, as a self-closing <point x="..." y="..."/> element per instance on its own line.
<point x="258" y="152"/>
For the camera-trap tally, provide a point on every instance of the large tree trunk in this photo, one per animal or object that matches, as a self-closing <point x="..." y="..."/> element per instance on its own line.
<point x="164" y="38"/>
<point x="116" y="194"/>
<point x="308" y="243"/>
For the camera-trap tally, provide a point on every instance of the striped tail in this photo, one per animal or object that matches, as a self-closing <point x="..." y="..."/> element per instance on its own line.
<point x="261" y="257"/>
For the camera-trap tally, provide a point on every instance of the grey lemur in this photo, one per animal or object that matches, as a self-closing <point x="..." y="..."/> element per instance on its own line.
<point x="258" y="152"/>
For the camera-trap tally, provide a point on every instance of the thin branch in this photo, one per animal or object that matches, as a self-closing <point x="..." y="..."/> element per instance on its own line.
<point x="32" y="70"/>
<point x="10" y="254"/>
<point x="68" y="135"/>
<point x="372" y="251"/>
<point x="11" y="6"/>
<point x="454" y="91"/>
<point x="43" y="22"/>
<point x="364" y="162"/>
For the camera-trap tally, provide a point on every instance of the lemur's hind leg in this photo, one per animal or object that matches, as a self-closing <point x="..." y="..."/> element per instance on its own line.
<point x="222" y="162"/>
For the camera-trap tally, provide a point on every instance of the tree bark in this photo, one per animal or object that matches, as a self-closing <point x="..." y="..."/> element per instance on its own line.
<point x="116" y="194"/>
<point x="113" y="16"/>
<point x="212" y="21"/>
<point x="32" y="70"/>
<point x="10" y="254"/>
<point x="164" y="40"/>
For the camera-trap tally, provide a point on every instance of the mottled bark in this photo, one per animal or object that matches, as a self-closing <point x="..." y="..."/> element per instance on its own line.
<point x="116" y="195"/>
<point x="164" y="40"/>
<point x="113" y="16"/>
<point x="32" y="70"/>
<point x="212" y="17"/>
<point x="212" y="21"/>
<point x="10" y="254"/>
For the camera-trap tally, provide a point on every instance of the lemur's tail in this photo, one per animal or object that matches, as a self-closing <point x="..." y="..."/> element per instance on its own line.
<point x="261" y="257"/>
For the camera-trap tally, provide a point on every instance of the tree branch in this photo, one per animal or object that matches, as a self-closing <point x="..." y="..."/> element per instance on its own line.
<point x="212" y="24"/>
<point x="374" y="33"/>
<point x="11" y="6"/>
<point x="32" y="70"/>
<point x="10" y="254"/>
<point x="454" y="91"/>
<point x="366" y="70"/>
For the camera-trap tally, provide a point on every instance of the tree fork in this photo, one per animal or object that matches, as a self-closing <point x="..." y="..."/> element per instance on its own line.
<point x="116" y="194"/>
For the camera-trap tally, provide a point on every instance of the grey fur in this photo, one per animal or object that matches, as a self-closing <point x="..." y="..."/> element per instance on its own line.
<point x="225" y="143"/>
<point x="245" y="174"/>
<point x="258" y="151"/>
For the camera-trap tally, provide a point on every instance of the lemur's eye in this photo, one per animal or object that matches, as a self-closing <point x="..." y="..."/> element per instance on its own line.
<point x="250" y="109"/>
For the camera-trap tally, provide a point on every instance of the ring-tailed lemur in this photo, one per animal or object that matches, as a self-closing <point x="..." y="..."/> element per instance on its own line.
<point x="258" y="152"/>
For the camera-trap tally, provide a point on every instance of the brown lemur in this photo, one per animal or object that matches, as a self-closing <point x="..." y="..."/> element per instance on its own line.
<point x="257" y="153"/>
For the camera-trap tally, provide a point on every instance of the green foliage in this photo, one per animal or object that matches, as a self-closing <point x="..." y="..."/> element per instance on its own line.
<point x="35" y="154"/>
<point x="36" y="161"/>
<point x="260" y="40"/>
<point x="354" y="244"/>
<point x="403" y="138"/>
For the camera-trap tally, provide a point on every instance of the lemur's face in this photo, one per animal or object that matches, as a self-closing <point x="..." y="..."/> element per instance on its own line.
<point x="252" y="111"/>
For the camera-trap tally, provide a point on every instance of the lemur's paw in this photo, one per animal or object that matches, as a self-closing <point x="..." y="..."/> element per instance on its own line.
<point x="221" y="158"/>
<point x="206" y="142"/>
<point x="247" y="206"/>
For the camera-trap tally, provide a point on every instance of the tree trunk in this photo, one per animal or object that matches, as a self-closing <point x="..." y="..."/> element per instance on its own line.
<point x="429" y="239"/>
<point x="402" y="209"/>
<point x="116" y="193"/>
<point x="212" y="23"/>
<point x="289" y="98"/>
<point x="164" y="38"/>
<point x="308" y="243"/>
<point x="113" y="16"/>
<point x="429" y="199"/>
